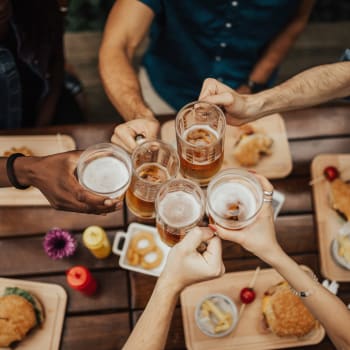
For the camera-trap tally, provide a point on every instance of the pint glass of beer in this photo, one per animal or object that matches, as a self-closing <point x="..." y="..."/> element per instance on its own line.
<point x="153" y="162"/>
<point x="105" y="169"/>
<point x="200" y="132"/>
<point x="180" y="206"/>
<point x="234" y="198"/>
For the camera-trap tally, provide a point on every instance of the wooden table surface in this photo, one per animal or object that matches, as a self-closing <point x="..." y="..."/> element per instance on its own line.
<point x="104" y="321"/>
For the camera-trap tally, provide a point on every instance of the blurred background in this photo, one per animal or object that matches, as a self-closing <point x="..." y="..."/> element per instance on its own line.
<point x="324" y="40"/>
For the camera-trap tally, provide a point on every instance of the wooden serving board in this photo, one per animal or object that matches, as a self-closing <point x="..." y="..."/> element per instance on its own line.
<point x="328" y="221"/>
<point x="274" y="166"/>
<point x="247" y="334"/>
<point x="40" y="145"/>
<point x="54" y="300"/>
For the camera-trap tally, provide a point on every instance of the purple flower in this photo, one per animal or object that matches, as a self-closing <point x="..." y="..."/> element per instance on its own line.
<point x="59" y="243"/>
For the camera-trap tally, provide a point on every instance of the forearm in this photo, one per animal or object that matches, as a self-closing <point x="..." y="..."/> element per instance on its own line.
<point x="151" y="330"/>
<point x="311" y="87"/>
<point x="320" y="302"/>
<point x="122" y="86"/>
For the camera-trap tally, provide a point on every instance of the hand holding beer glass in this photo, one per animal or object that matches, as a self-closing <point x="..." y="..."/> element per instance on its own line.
<point x="154" y="162"/>
<point x="105" y="169"/>
<point x="180" y="206"/>
<point x="234" y="198"/>
<point x="200" y="131"/>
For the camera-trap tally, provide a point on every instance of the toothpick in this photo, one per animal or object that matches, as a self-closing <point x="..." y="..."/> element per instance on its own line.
<point x="251" y="285"/>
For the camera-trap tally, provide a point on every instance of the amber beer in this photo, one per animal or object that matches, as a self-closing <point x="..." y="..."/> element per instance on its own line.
<point x="154" y="162"/>
<point x="179" y="207"/>
<point x="200" y="128"/>
<point x="141" y="202"/>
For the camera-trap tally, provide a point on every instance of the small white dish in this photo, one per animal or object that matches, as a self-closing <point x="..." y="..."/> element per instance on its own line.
<point x="338" y="259"/>
<point x="226" y="305"/>
<point x="121" y="245"/>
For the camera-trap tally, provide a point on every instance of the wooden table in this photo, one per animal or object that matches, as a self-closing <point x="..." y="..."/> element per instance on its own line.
<point x="104" y="322"/>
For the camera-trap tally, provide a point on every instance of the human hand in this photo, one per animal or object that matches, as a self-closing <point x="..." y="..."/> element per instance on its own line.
<point x="124" y="134"/>
<point x="259" y="238"/>
<point x="185" y="265"/>
<point x="244" y="90"/>
<point x="235" y="105"/>
<point x="54" y="177"/>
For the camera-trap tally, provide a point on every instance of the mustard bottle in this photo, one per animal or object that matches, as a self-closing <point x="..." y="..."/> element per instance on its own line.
<point x="96" y="240"/>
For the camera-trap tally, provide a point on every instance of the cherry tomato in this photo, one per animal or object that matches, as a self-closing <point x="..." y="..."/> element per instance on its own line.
<point x="331" y="173"/>
<point x="247" y="295"/>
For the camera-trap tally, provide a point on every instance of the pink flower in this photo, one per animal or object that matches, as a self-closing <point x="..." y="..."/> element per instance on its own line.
<point x="59" y="243"/>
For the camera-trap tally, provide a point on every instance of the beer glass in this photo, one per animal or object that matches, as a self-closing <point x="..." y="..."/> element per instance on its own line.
<point x="180" y="206"/>
<point x="105" y="169"/>
<point x="234" y="198"/>
<point x="200" y="132"/>
<point x="153" y="162"/>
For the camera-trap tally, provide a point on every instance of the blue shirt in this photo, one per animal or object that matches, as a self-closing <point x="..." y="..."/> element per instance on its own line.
<point x="223" y="39"/>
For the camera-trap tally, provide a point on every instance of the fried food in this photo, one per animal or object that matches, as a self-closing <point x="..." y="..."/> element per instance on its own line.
<point x="340" y="193"/>
<point x="144" y="251"/>
<point x="24" y="150"/>
<point x="251" y="146"/>
<point x="285" y="314"/>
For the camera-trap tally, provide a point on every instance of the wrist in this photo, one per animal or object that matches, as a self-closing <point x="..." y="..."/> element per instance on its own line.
<point x="173" y="287"/>
<point x="24" y="170"/>
<point x="274" y="257"/>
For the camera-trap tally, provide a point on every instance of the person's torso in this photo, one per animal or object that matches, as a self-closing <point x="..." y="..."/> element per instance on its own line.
<point x="223" y="39"/>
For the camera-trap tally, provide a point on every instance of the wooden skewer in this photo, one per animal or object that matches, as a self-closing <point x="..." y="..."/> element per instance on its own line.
<point x="251" y="285"/>
<point x="316" y="180"/>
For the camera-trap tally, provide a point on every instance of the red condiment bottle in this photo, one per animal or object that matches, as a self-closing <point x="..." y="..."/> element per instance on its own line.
<point x="80" y="279"/>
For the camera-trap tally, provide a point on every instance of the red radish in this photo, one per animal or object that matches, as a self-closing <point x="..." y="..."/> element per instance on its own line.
<point x="247" y="295"/>
<point x="331" y="173"/>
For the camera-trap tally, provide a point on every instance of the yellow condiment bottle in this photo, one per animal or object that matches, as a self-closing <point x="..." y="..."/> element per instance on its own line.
<point x="96" y="240"/>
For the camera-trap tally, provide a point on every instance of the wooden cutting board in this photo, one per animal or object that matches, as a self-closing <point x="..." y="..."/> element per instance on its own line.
<point x="40" y="145"/>
<point x="328" y="221"/>
<point x="54" y="300"/>
<point x="274" y="166"/>
<point x="247" y="334"/>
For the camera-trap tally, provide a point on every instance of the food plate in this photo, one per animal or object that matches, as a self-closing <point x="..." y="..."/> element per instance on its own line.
<point x="328" y="221"/>
<point x="54" y="300"/>
<point x="274" y="166"/>
<point x="40" y="145"/>
<point x="246" y="335"/>
<point x="123" y="239"/>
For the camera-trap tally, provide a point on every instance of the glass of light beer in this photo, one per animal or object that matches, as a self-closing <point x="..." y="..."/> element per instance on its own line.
<point x="153" y="162"/>
<point x="105" y="169"/>
<point x="200" y="133"/>
<point x="235" y="198"/>
<point x="180" y="206"/>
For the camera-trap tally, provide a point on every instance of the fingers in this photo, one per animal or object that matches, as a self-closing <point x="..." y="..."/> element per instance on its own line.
<point x="195" y="237"/>
<point x="268" y="190"/>
<point x="212" y="87"/>
<point x="223" y="99"/>
<point x="124" y="136"/>
<point x="213" y="254"/>
<point x="236" y="236"/>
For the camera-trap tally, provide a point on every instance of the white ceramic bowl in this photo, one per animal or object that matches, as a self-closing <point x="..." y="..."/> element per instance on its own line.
<point x="226" y="304"/>
<point x="121" y="246"/>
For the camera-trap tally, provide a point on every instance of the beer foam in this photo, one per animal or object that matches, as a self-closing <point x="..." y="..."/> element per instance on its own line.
<point x="105" y="175"/>
<point x="226" y="194"/>
<point x="179" y="209"/>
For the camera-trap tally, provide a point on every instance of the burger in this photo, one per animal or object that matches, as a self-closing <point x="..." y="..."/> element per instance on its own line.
<point x="20" y="312"/>
<point x="285" y="314"/>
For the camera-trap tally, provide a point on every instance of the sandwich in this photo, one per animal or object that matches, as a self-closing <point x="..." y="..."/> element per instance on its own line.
<point x="20" y="312"/>
<point x="285" y="314"/>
